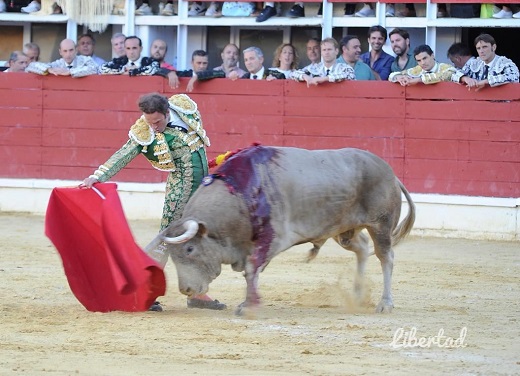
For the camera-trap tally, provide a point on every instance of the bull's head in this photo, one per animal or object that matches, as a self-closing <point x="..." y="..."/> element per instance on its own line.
<point x="194" y="254"/>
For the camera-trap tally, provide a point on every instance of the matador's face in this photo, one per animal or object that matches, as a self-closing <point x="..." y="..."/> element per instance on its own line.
<point x="158" y="121"/>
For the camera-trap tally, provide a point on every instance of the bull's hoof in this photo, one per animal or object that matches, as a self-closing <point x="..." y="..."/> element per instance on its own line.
<point x="240" y="310"/>
<point x="384" y="307"/>
<point x="248" y="311"/>
<point x="206" y="304"/>
<point x="156" y="307"/>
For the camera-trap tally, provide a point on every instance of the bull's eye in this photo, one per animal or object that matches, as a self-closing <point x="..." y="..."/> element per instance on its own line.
<point x="189" y="250"/>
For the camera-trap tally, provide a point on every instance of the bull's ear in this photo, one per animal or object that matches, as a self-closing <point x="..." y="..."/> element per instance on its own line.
<point x="203" y="230"/>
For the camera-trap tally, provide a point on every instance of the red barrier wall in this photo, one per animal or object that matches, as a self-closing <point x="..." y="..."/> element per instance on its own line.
<point x="439" y="139"/>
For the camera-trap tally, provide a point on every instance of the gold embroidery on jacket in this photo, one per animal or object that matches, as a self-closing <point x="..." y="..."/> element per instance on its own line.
<point x="141" y="132"/>
<point x="187" y="110"/>
<point x="161" y="150"/>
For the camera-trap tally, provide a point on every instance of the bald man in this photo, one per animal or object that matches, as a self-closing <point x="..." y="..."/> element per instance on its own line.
<point x="70" y="64"/>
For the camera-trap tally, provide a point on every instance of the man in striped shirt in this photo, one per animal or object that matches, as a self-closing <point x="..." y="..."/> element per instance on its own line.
<point x="328" y="70"/>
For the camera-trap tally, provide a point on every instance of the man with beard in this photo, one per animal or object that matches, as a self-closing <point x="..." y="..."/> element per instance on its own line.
<point x="400" y="41"/>
<point x="229" y="56"/>
<point x="158" y="51"/>
<point x="350" y="52"/>
<point x="376" y="58"/>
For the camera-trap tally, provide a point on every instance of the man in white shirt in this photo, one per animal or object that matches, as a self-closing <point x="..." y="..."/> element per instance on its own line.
<point x="69" y="65"/>
<point x="488" y="69"/>
<point x="327" y="70"/>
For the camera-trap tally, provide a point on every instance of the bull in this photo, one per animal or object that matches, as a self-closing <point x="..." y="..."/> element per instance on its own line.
<point x="264" y="200"/>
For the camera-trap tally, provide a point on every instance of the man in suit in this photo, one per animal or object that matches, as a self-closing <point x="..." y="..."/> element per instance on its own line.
<point x="254" y="62"/>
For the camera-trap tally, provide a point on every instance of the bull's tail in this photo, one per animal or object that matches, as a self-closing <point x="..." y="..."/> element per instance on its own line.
<point x="406" y="224"/>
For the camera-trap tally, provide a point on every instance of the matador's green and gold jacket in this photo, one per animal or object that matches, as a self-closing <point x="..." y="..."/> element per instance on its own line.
<point x="168" y="151"/>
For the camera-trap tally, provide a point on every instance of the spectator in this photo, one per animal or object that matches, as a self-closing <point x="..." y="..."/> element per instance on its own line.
<point x="408" y="11"/>
<point x="460" y="55"/>
<point x="119" y="8"/>
<point x="86" y="45"/>
<point x="268" y="12"/>
<point x="167" y="9"/>
<point x="506" y="12"/>
<point x="286" y="60"/>
<point x="230" y="55"/>
<point x="366" y="11"/>
<point x="199" y="70"/>
<point x="442" y="10"/>
<point x="158" y="51"/>
<point x="34" y="6"/>
<point x="313" y="50"/>
<point x="254" y="62"/>
<point x="376" y="58"/>
<point x="131" y="61"/>
<point x="32" y="51"/>
<point x="144" y="9"/>
<point x="118" y="44"/>
<point x="350" y="52"/>
<point x="400" y="41"/>
<point x="134" y="65"/>
<point x="328" y="70"/>
<point x="169" y="134"/>
<point x="18" y="62"/>
<point x="198" y="8"/>
<point x="163" y="9"/>
<point x="428" y="71"/>
<point x="350" y="9"/>
<point x="3" y="8"/>
<point x="488" y="69"/>
<point x="69" y="64"/>
<point x="42" y="8"/>
<point x="298" y="10"/>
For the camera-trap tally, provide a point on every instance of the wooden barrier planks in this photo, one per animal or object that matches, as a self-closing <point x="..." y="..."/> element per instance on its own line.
<point x="438" y="138"/>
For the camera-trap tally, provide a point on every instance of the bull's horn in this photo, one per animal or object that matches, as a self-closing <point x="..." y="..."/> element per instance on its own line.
<point x="191" y="227"/>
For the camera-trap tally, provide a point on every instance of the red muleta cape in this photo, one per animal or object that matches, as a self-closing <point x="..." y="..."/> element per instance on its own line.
<point x="105" y="268"/>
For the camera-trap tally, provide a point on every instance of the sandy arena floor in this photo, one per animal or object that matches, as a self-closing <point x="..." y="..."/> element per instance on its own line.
<point x="308" y="324"/>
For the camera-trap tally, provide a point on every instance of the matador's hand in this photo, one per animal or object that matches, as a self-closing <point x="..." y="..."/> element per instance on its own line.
<point x="89" y="182"/>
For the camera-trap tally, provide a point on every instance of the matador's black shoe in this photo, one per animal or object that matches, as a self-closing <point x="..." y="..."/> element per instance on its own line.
<point x="155" y="307"/>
